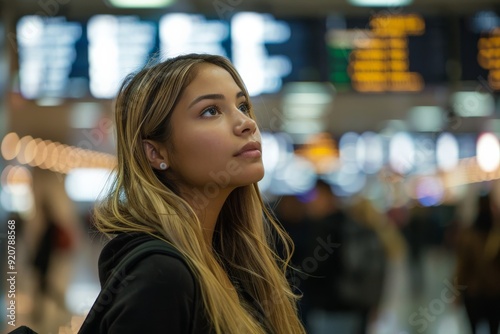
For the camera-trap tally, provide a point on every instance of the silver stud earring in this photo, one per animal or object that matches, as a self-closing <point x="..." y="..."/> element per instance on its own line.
<point x="163" y="166"/>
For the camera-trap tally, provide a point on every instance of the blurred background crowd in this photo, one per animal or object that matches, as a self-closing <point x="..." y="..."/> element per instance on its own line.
<point x="380" y="129"/>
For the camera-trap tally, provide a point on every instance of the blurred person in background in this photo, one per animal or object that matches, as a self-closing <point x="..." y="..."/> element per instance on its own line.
<point x="392" y="240"/>
<point x="55" y="239"/>
<point x="417" y="232"/>
<point x="186" y="183"/>
<point x="43" y="255"/>
<point x="346" y="264"/>
<point x="385" y="250"/>
<point x="478" y="266"/>
<point x="290" y="212"/>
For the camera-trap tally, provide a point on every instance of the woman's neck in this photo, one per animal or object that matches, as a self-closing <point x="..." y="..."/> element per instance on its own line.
<point x="207" y="208"/>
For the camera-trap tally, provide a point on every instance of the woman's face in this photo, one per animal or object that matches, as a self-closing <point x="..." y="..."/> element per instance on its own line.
<point x="215" y="144"/>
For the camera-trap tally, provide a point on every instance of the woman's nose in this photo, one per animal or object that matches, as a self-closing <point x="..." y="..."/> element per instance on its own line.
<point x="244" y="124"/>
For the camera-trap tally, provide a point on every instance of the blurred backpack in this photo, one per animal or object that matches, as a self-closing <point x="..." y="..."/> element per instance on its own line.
<point x="362" y="266"/>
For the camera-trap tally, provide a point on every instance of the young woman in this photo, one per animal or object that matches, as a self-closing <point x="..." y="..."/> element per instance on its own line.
<point x="189" y="158"/>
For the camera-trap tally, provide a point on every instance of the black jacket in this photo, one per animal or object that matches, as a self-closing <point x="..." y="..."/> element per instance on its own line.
<point x="157" y="295"/>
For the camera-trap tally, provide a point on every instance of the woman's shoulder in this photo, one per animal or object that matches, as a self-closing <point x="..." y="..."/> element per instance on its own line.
<point x="141" y="252"/>
<point x="141" y="259"/>
<point x="164" y="271"/>
<point x="149" y="281"/>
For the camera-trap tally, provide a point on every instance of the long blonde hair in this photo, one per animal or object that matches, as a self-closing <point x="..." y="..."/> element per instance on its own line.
<point x="143" y="200"/>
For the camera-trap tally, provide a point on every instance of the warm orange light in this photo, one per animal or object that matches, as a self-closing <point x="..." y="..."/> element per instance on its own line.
<point x="368" y="66"/>
<point x="321" y="150"/>
<point x="53" y="156"/>
<point x="21" y="157"/>
<point x="406" y="81"/>
<point x="15" y="175"/>
<point x="10" y="146"/>
<point x="488" y="57"/>
<point x="388" y="81"/>
<point x="19" y="175"/>
<point x="411" y="24"/>
<point x="41" y="153"/>
<point x="30" y="151"/>
<point x="494" y="79"/>
<point x="398" y="43"/>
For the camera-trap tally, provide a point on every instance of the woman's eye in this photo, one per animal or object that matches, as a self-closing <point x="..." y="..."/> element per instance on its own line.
<point x="244" y="107"/>
<point x="210" y="111"/>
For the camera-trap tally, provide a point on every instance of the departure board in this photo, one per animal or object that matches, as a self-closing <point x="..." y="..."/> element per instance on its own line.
<point x="49" y="55"/>
<point x="383" y="53"/>
<point x="64" y="59"/>
<point x="488" y="57"/>
<point x="387" y="53"/>
<point x="193" y="33"/>
<point x="117" y="45"/>
<point x="275" y="51"/>
<point x="480" y="49"/>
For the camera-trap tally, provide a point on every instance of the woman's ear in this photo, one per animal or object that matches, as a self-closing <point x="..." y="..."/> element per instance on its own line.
<point x="155" y="158"/>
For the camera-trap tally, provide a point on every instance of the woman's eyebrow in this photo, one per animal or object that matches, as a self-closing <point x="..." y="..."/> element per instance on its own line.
<point x="213" y="97"/>
<point x="207" y="97"/>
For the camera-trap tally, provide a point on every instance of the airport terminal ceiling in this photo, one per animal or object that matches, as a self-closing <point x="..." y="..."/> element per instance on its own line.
<point x="75" y="8"/>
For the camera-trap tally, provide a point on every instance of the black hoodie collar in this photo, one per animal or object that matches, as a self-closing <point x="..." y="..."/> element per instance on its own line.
<point x="116" y="249"/>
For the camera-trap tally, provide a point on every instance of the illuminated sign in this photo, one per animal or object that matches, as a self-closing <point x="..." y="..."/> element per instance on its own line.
<point x="377" y="60"/>
<point x="489" y="57"/>
<point x="250" y="32"/>
<point x="109" y="47"/>
<point x="380" y="60"/>
<point x="74" y="60"/>
<point x="397" y="25"/>
<point x="190" y="33"/>
<point x="47" y="55"/>
<point x="117" y="46"/>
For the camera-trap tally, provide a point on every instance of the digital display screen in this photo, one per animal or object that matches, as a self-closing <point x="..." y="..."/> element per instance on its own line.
<point x="192" y="33"/>
<point x="51" y="57"/>
<point x="80" y="59"/>
<point x="429" y="52"/>
<point x="276" y="51"/>
<point x="391" y="53"/>
<point x="387" y="53"/>
<point x="480" y="49"/>
<point x="471" y="70"/>
<point x="117" y="46"/>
